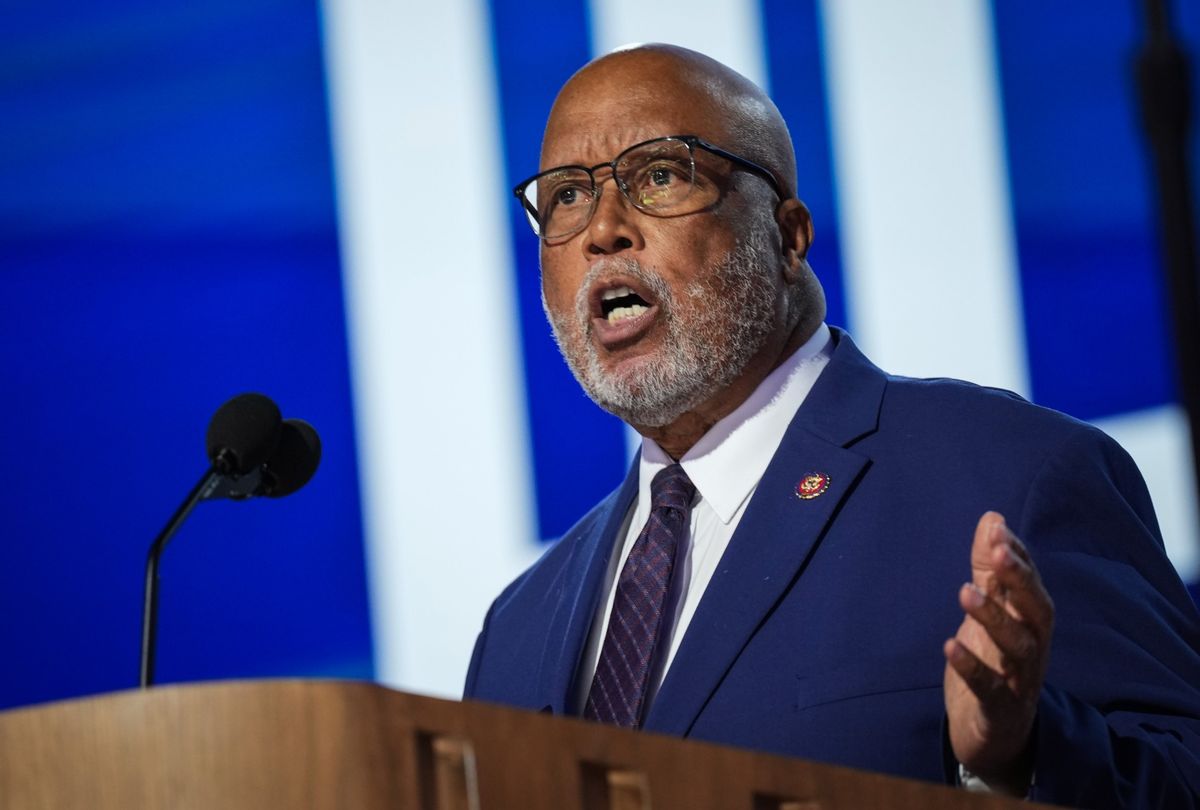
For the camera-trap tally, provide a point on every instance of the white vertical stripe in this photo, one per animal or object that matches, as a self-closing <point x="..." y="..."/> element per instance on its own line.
<point x="930" y="265"/>
<point x="729" y="31"/>
<point x="438" y="394"/>
<point x="1159" y="443"/>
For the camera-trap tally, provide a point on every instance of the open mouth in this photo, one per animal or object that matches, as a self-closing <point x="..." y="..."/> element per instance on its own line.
<point x="623" y="311"/>
<point x="619" y="303"/>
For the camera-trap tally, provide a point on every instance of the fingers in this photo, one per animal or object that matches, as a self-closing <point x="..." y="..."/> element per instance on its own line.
<point x="986" y="684"/>
<point x="1009" y="622"/>
<point x="1016" y="641"/>
<point x="1003" y="570"/>
<point x="988" y="534"/>
<point x="1019" y="582"/>
<point x="996" y="663"/>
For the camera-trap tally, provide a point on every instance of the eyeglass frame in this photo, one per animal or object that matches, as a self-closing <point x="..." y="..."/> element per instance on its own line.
<point x="691" y="141"/>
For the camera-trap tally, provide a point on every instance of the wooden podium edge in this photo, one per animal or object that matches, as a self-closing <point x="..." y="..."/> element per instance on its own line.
<point x="336" y="743"/>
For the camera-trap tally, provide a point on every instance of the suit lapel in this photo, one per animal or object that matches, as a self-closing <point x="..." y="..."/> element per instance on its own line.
<point x="584" y="577"/>
<point x="777" y="534"/>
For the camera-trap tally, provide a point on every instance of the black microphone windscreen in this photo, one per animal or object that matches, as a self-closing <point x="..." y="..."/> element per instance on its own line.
<point x="243" y="433"/>
<point x="294" y="461"/>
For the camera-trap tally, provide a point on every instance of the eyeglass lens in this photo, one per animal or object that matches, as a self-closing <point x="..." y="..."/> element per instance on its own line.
<point x="657" y="177"/>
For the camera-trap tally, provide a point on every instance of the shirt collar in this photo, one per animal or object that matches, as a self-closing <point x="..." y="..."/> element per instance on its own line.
<point x="728" y="461"/>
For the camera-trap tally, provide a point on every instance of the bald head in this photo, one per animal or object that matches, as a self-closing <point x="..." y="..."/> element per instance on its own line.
<point x="707" y="98"/>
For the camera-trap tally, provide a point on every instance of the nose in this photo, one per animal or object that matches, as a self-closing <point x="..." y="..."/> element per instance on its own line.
<point x="614" y="226"/>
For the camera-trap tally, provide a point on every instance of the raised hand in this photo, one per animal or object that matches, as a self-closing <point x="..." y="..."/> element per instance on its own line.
<point x="996" y="662"/>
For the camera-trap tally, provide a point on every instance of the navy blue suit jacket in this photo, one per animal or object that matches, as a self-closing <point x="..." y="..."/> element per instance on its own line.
<point x="821" y="632"/>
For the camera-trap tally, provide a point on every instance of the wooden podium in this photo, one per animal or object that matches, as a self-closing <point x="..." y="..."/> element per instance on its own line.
<point x="331" y="744"/>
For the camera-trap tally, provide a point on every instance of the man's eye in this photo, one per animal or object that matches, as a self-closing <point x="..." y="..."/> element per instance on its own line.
<point x="568" y="195"/>
<point x="662" y="176"/>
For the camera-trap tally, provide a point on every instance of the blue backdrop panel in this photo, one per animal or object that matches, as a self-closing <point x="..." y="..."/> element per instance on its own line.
<point x="167" y="240"/>
<point x="1084" y="205"/>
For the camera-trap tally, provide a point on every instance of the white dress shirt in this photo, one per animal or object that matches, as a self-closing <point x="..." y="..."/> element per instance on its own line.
<point x="726" y="466"/>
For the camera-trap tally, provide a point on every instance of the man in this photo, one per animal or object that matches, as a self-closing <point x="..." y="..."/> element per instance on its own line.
<point x="780" y="569"/>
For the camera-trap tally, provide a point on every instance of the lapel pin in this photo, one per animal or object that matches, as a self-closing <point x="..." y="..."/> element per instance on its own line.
<point x="812" y="485"/>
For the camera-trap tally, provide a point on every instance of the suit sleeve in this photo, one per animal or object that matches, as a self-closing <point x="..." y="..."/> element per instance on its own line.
<point x="1119" y="716"/>
<point x="470" y="687"/>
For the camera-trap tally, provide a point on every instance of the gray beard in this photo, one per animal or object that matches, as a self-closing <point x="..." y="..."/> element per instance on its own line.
<point x="713" y="331"/>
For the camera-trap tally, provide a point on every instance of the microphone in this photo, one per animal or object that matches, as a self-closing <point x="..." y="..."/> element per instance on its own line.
<point x="292" y="464"/>
<point x="243" y="434"/>
<point x="294" y="461"/>
<point x="252" y="451"/>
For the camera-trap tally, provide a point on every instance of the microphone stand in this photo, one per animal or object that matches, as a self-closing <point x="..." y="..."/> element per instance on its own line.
<point x="202" y="491"/>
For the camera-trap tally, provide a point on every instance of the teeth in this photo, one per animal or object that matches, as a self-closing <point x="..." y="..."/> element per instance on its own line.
<point x="621" y="313"/>
<point x="615" y="292"/>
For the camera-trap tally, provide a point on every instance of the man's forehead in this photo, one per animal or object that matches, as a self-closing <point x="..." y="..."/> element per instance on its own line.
<point x="594" y="128"/>
<point x="651" y="91"/>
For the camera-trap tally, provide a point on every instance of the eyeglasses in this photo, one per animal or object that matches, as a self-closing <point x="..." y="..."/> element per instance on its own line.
<point x="658" y="177"/>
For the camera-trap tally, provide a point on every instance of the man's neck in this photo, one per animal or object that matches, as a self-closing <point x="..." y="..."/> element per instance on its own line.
<point x="680" y="435"/>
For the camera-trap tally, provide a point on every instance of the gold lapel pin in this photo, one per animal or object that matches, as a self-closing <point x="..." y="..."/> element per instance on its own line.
<point x="812" y="485"/>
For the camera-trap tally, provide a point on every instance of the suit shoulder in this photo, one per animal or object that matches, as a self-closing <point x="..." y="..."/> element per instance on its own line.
<point x="953" y="404"/>
<point x="964" y="429"/>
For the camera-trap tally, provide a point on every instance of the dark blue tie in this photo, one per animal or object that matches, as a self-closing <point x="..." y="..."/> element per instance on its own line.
<point x="618" y="694"/>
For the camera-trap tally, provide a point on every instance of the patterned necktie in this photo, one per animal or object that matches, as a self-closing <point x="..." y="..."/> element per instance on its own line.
<point x="618" y="692"/>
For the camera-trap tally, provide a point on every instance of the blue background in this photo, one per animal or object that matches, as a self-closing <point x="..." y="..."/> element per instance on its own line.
<point x="168" y="239"/>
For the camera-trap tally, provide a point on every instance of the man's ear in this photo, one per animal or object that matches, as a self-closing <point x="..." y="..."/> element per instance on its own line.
<point x="795" y="226"/>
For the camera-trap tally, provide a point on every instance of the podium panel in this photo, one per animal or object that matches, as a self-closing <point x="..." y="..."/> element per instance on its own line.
<point x="329" y="744"/>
